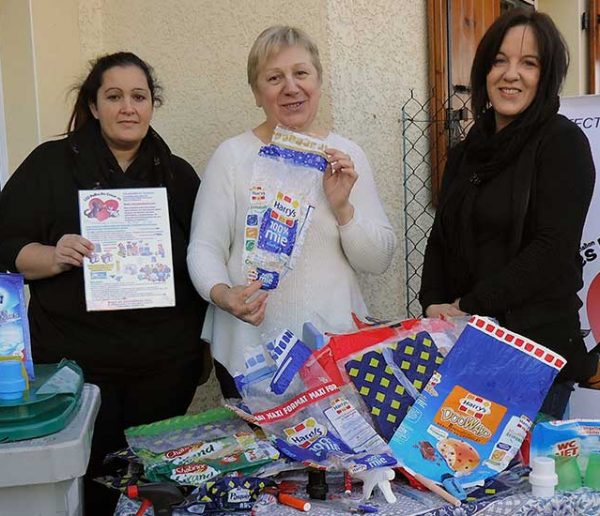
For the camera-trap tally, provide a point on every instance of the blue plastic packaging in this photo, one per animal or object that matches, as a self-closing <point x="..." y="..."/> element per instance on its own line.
<point x="472" y="417"/>
<point x="12" y="383"/>
<point x="286" y="179"/>
<point x="305" y="414"/>
<point x="14" y="326"/>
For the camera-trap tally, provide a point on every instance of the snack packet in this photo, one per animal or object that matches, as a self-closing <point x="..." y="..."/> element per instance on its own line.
<point x="227" y="494"/>
<point x="193" y="449"/>
<point x="176" y="432"/>
<point x="196" y="472"/>
<point x="14" y="325"/>
<point x="389" y="363"/>
<point x="286" y="178"/>
<point x="471" y="418"/>
<point x="390" y="378"/>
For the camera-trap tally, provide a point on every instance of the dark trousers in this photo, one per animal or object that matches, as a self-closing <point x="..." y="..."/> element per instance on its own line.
<point x="226" y="382"/>
<point x="564" y="336"/>
<point x="556" y="401"/>
<point x="131" y="401"/>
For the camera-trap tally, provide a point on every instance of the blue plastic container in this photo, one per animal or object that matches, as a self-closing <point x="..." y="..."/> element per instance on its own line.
<point x="12" y="383"/>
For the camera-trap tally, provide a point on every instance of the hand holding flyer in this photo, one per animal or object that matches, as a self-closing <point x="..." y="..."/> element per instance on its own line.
<point x="131" y="265"/>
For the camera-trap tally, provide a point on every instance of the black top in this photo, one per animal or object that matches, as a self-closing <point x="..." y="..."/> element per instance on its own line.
<point x="527" y="223"/>
<point x="40" y="204"/>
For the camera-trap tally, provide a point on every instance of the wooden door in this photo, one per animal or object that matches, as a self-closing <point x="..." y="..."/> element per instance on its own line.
<point x="455" y="28"/>
<point x="469" y="20"/>
<point x="593" y="36"/>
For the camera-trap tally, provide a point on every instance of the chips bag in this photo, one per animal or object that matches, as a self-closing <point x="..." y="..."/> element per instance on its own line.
<point x="471" y="418"/>
<point x="191" y="450"/>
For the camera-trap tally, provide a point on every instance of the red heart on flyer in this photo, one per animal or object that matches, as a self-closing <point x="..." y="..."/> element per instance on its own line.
<point x="112" y="205"/>
<point x="102" y="214"/>
<point x="100" y="210"/>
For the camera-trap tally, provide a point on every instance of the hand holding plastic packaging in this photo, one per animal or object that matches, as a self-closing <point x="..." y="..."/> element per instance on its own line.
<point x="286" y="179"/>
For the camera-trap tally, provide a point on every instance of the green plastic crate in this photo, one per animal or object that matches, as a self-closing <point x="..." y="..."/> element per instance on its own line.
<point x="36" y="415"/>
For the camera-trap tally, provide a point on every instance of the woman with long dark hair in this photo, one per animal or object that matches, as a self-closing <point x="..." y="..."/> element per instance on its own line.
<point x="505" y="241"/>
<point x="146" y="362"/>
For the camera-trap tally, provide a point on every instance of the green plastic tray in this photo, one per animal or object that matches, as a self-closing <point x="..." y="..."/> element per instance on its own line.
<point x="37" y="415"/>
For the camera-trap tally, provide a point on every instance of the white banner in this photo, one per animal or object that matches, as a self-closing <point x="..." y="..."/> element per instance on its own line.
<point x="585" y="112"/>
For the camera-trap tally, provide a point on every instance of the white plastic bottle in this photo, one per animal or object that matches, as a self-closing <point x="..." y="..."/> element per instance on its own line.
<point x="543" y="478"/>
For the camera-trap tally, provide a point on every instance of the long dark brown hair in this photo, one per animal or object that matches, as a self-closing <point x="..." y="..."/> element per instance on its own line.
<point x="554" y="60"/>
<point x="87" y="91"/>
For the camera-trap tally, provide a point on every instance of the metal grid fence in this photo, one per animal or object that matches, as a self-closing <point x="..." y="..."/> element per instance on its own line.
<point x="418" y="117"/>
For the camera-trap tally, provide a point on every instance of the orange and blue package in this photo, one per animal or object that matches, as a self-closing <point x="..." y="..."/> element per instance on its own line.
<point x="471" y="418"/>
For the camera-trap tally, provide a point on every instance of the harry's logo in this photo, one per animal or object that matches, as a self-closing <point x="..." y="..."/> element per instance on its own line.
<point x="475" y="406"/>
<point x="469" y="415"/>
<point x="306" y="433"/>
<point x="285" y="209"/>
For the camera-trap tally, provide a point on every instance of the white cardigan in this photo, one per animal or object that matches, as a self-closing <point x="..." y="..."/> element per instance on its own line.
<point x="322" y="288"/>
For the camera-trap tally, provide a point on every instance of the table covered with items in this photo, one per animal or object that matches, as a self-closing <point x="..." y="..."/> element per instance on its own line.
<point x="408" y="417"/>
<point x="583" y="502"/>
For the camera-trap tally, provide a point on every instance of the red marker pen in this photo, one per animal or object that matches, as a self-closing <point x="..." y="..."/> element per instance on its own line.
<point x="292" y="501"/>
<point x="347" y="483"/>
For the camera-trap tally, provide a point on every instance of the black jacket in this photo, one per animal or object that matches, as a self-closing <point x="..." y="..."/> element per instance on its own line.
<point x="40" y="204"/>
<point x="551" y="184"/>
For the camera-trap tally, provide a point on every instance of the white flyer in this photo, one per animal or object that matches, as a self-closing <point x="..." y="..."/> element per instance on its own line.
<point x="132" y="262"/>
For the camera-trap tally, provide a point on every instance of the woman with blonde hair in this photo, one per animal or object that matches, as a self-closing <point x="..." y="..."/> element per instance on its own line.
<point x="349" y="232"/>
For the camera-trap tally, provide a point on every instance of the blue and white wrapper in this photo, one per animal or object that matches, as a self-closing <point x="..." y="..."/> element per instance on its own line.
<point x="286" y="179"/>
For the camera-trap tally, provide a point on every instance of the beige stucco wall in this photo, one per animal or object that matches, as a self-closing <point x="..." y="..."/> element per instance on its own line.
<point x="57" y="51"/>
<point x="18" y="80"/>
<point x="567" y="16"/>
<point x="372" y="52"/>
<point x="199" y="49"/>
<point x="40" y="56"/>
<point x="371" y="55"/>
<point x="378" y="53"/>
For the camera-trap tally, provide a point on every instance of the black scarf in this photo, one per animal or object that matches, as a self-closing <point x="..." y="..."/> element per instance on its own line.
<point x="95" y="166"/>
<point x="486" y="153"/>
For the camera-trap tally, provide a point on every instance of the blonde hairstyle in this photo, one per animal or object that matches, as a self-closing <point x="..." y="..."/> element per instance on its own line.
<point x="272" y="40"/>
